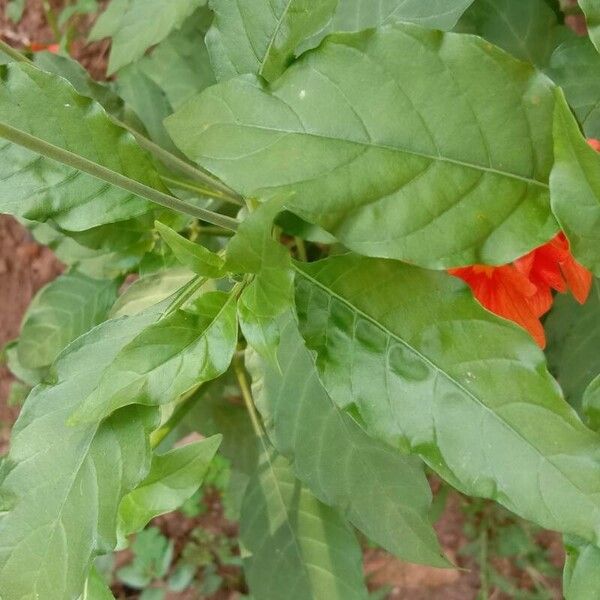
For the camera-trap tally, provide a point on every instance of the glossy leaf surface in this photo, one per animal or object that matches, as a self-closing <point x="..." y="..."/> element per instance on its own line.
<point x="417" y="163"/>
<point x="173" y="478"/>
<point x="383" y="493"/>
<point x="427" y="368"/>
<point x="168" y="358"/>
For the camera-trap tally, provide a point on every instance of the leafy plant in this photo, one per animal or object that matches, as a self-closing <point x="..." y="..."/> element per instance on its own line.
<point x="296" y="190"/>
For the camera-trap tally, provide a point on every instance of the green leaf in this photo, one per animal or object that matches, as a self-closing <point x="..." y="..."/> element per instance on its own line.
<point x="591" y="403"/>
<point x="61" y="485"/>
<point x="581" y="579"/>
<point x="356" y="15"/>
<point x="46" y="107"/>
<point x="80" y="79"/>
<point x="194" y="256"/>
<point x="173" y="478"/>
<point x="260" y="36"/>
<point x="135" y="25"/>
<point x="426" y="368"/>
<point x="61" y="312"/>
<point x="575" y="187"/>
<point x="168" y="358"/>
<point x="149" y="290"/>
<point x="270" y="293"/>
<point x="96" y="588"/>
<point x="338" y="461"/>
<point x="575" y="66"/>
<point x="528" y="29"/>
<point x="417" y="163"/>
<point x="591" y="9"/>
<point x="297" y="547"/>
<point x="180" y="65"/>
<point x="573" y="341"/>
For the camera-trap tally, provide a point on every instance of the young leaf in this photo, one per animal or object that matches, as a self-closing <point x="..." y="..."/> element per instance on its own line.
<point x="575" y="187"/>
<point x="270" y="294"/>
<point x="581" y="580"/>
<point x="173" y="478"/>
<point x="573" y="341"/>
<point x="149" y="290"/>
<point x="384" y="494"/>
<point x="426" y="367"/>
<point x="417" y="163"/>
<point x="528" y="29"/>
<point x="297" y="547"/>
<point x="575" y="67"/>
<point x="591" y="9"/>
<point x="194" y="256"/>
<point x="260" y="36"/>
<point x="61" y="312"/>
<point x="61" y="486"/>
<point x="135" y="25"/>
<point x="168" y="358"/>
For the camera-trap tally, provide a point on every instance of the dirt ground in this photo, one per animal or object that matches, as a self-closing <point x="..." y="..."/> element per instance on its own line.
<point x="26" y="266"/>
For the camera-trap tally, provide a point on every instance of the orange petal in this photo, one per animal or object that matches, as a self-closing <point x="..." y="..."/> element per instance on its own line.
<point x="578" y="278"/>
<point x="594" y="143"/>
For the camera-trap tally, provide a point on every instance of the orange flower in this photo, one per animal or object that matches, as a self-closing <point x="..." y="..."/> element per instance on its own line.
<point x="37" y="47"/>
<point x="553" y="266"/>
<point x="508" y="293"/>
<point x="522" y="292"/>
<point x="595" y="144"/>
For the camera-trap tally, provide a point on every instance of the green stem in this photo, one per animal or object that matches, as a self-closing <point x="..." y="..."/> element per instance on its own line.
<point x="13" y="53"/>
<point x="197" y="189"/>
<point x="483" y="560"/>
<point x="182" y="166"/>
<point x="301" y="249"/>
<point x="214" y="231"/>
<point x="80" y="163"/>
<point x="240" y="374"/>
<point x="184" y="407"/>
<point x="186" y="294"/>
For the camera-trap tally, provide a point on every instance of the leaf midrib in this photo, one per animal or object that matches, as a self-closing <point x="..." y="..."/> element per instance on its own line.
<point x="429" y="362"/>
<point x="263" y="62"/>
<point x="381" y="146"/>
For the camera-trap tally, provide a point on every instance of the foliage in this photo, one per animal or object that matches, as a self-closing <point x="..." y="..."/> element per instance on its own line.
<point x="258" y="216"/>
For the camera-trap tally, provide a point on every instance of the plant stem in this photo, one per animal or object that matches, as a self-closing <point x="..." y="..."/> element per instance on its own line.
<point x="80" y="163"/>
<point x="483" y="559"/>
<point x="197" y="189"/>
<point x="178" y="164"/>
<point x="214" y="231"/>
<point x="188" y="292"/>
<point x="572" y="10"/>
<point x="13" y="53"/>
<point x="183" y="408"/>
<point x="301" y="249"/>
<point x="240" y="374"/>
